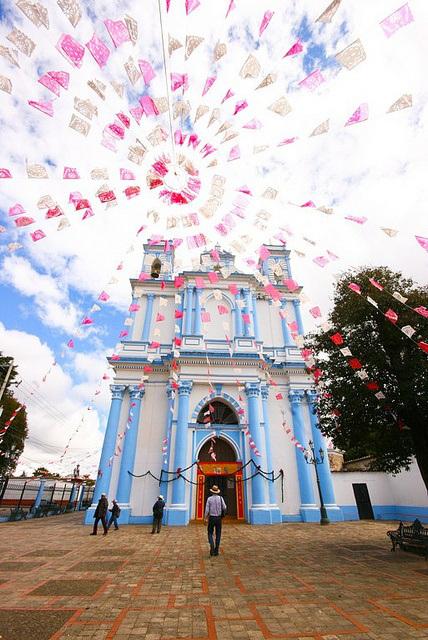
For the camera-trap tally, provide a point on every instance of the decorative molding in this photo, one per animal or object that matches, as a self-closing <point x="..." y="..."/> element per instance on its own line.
<point x="136" y="392"/>
<point x="117" y="391"/>
<point x="185" y="387"/>
<point x="252" y="389"/>
<point x="296" y="395"/>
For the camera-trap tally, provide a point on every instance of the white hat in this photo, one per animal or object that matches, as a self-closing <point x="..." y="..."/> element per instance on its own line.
<point x="161" y="497"/>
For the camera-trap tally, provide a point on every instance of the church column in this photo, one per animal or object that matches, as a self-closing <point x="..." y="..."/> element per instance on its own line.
<point x="259" y="511"/>
<point x="197" y="326"/>
<point x="324" y="473"/>
<point x="104" y="469"/>
<point x="296" y="305"/>
<point x="148" y="317"/>
<point x="81" y="496"/>
<point x="130" y="327"/>
<point x="167" y="436"/>
<point x="275" y="513"/>
<point x="308" y="508"/>
<point x="124" y="484"/>
<point x="247" y="327"/>
<point x="189" y="311"/>
<point x="285" y="331"/>
<point x="178" y="513"/>
<point x="255" y="317"/>
<point x="238" y="316"/>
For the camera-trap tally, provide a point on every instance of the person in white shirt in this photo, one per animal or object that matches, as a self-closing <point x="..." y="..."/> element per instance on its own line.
<point x="215" y="509"/>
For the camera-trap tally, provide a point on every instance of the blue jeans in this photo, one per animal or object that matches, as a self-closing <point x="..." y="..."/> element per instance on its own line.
<point x="214" y="522"/>
<point x="113" y="520"/>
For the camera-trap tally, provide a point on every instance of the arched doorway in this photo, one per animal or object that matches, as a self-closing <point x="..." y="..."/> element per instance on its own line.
<point x="224" y="469"/>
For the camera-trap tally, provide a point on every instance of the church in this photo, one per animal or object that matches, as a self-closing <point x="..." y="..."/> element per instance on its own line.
<point x="210" y="388"/>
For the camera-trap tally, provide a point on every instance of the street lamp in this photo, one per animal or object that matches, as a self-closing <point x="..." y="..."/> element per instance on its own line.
<point x="315" y="460"/>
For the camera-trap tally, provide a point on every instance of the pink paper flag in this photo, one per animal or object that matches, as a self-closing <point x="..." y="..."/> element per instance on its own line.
<point x="313" y="80"/>
<point x="50" y="83"/>
<point x="400" y="18"/>
<point x="264" y="253"/>
<point x="321" y="261"/>
<point x="294" y="50"/>
<point x="147" y="71"/>
<point x="16" y="210"/>
<point x="423" y="311"/>
<point x="126" y="174"/>
<point x="134" y="307"/>
<point x="5" y="173"/>
<point x="222" y="309"/>
<point x="154" y="345"/>
<point x="55" y="212"/>
<point x="124" y="119"/>
<point x="62" y="77"/>
<point x="309" y="203"/>
<point x="272" y="292"/>
<point x="234" y="153"/>
<point x="137" y="113"/>
<point x="265" y="21"/>
<point x="360" y="115"/>
<point x="191" y="5"/>
<point x="179" y="80"/>
<point x="253" y="124"/>
<point x="230" y="7"/>
<point x="148" y="105"/>
<point x="37" y="235"/>
<point x="242" y="104"/>
<point x="205" y="316"/>
<point x="357" y="219"/>
<point x="291" y="284"/>
<point x="228" y="95"/>
<point x="104" y="296"/>
<point x="423" y="242"/>
<point x="45" y="107"/>
<point x="391" y="315"/>
<point x="376" y="284"/>
<point x="87" y="321"/>
<point x="213" y="277"/>
<point x="70" y="344"/>
<point x="160" y="317"/>
<point x="233" y="289"/>
<point x="199" y="282"/>
<point x="123" y="333"/>
<point x="208" y="84"/>
<point x="99" y="50"/>
<point x="24" y="221"/>
<point x="168" y="2"/>
<point x="71" y="50"/>
<point x="315" y="312"/>
<point x="118" y="31"/>
<point x="70" y="173"/>
<point x="354" y="287"/>
<point x="215" y="255"/>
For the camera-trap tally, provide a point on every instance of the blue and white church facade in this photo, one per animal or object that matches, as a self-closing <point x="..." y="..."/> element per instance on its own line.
<point x="201" y="350"/>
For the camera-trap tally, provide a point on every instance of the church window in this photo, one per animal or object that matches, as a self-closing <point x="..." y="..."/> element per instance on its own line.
<point x="220" y="413"/>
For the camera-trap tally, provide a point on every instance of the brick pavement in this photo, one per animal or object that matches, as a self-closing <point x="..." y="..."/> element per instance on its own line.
<point x="286" y="581"/>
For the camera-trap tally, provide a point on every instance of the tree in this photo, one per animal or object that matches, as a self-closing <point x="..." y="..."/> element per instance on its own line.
<point x="12" y="441"/>
<point x="5" y="361"/>
<point x="393" y="429"/>
<point x="41" y="472"/>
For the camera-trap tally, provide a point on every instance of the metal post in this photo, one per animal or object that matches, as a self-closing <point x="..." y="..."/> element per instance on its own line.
<point x="316" y="461"/>
<point x="7" y="376"/>
<point x="62" y="497"/>
<point x="22" y="495"/>
<point x="52" y="494"/>
<point x="3" y="489"/>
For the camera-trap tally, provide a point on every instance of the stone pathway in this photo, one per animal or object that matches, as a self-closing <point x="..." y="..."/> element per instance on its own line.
<point x="286" y="581"/>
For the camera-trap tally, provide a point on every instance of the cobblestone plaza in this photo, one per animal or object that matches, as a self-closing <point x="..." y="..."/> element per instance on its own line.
<point x="297" y="581"/>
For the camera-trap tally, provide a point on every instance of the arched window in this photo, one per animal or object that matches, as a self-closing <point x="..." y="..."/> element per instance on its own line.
<point x="219" y="413"/>
<point x="156" y="268"/>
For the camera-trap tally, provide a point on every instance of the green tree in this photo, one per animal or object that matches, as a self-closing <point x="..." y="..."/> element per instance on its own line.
<point x="393" y="429"/>
<point x="41" y="472"/>
<point x="12" y="441"/>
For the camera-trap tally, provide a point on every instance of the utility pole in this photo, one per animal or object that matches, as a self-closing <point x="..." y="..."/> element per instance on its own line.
<point x="7" y="376"/>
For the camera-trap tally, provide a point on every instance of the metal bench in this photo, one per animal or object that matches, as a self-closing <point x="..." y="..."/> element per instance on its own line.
<point x="412" y="536"/>
<point x="16" y="514"/>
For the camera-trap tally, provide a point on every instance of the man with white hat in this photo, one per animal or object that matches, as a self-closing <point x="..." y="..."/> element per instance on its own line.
<point x="158" y="508"/>
<point x="215" y="509"/>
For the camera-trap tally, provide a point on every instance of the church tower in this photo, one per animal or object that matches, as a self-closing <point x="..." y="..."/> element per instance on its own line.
<point x="210" y="388"/>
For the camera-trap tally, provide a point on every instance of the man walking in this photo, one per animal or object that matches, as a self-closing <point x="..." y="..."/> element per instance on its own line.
<point x="215" y="509"/>
<point x="100" y="514"/>
<point x="158" y="508"/>
<point x="115" y="513"/>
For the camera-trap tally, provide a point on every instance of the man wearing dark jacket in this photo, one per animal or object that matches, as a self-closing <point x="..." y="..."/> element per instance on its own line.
<point x="115" y="513"/>
<point x="100" y="514"/>
<point x="158" y="508"/>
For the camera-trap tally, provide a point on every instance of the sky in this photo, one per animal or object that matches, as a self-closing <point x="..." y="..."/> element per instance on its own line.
<point x="373" y="170"/>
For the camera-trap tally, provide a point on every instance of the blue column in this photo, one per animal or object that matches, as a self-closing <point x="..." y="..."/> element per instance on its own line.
<point x="165" y="459"/>
<point x="82" y="493"/>
<point x="324" y="473"/>
<point x="197" y="327"/>
<point x="39" y="495"/>
<point x="255" y="317"/>
<point x="178" y="514"/>
<point x="247" y="327"/>
<point x="104" y="473"/>
<point x="238" y="317"/>
<point x="285" y="331"/>
<point x="179" y="321"/>
<point x="148" y="317"/>
<point x="189" y="311"/>
<point x="259" y="511"/>
<point x="124" y="484"/>
<point x="274" y="510"/>
<point x="73" y="493"/>
<point x="308" y="509"/>
<point x="296" y="305"/>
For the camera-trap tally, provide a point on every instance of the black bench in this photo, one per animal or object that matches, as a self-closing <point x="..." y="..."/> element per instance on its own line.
<point x="16" y="513"/>
<point x="412" y="536"/>
<point x="42" y="511"/>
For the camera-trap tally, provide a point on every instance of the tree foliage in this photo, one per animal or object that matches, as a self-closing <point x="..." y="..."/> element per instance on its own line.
<point x="12" y="443"/>
<point x="394" y="429"/>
